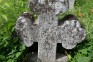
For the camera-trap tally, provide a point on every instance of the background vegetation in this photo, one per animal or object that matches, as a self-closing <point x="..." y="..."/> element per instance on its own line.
<point x="10" y="46"/>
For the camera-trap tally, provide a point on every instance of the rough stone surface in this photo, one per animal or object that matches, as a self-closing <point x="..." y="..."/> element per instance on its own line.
<point x="58" y="6"/>
<point x="60" y="58"/>
<point x="47" y="32"/>
<point x="24" y="27"/>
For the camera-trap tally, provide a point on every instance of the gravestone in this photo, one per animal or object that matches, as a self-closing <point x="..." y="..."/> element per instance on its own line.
<point x="47" y="32"/>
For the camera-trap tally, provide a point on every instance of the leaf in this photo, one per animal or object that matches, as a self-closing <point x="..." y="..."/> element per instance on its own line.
<point x="69" y="57"/>
<point x="79" y="54"/>
<point x="5" y="38"/>
<point x="10" y="60"/>
<point x="22" y="47"/>
<point x="10" y="26"/>
<point x="11" y="56"/>
<point x="11" y="52"/>
<point x="83" y="59"/>
<point x="2" y="57"/>
<point x="91" y="54"/>
<point x="18" y="54"/>
<point x="5" y="17"/>
<point x="7" y="5"/>
<point x="84" y="51"/>
<point x="89" y="48"/>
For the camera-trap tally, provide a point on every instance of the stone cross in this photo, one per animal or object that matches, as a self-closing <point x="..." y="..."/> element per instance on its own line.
<point x="47" y="32"/>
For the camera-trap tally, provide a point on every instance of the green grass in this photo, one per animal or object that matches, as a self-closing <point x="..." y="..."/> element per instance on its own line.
<point x="10" y="48"/>
<point x="84" y="11"/>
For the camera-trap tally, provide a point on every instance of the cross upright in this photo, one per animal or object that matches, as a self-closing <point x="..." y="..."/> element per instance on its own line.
<point x="47" y="32"/>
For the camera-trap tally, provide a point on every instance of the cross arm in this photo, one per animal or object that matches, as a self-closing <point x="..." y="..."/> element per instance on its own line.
<point x="70" y="33"/>
<point x="25" y="27"/>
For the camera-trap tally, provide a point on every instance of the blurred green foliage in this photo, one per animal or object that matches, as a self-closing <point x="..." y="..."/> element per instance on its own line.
<point x="84" y="11"/>
<point x="10" y="47"/>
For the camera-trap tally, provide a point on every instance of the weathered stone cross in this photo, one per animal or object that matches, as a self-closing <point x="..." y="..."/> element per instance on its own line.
<point x="47" y="33"/>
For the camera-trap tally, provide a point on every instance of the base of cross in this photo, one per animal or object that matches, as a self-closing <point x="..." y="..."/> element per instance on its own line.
<point x="60" y="58"/>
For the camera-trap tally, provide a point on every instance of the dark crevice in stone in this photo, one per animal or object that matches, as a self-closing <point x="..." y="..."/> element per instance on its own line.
<point x="68" y="17"/>
<point x="33" y="48"/>
<point x="30" y="16"/>
<point x="60" y="49"/>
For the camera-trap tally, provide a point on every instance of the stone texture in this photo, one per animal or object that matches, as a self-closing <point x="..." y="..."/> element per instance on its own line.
<point x="58" y="6"/>
<point x="34" y="58"/>
<point x="24" y="27"/>
<point x="47" y="32"/>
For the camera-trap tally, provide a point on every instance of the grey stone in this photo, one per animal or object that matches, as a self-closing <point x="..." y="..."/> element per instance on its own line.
<point x="58" y="6"/>
<point x="60" y="58"/>
<point x="47" y="32"/>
